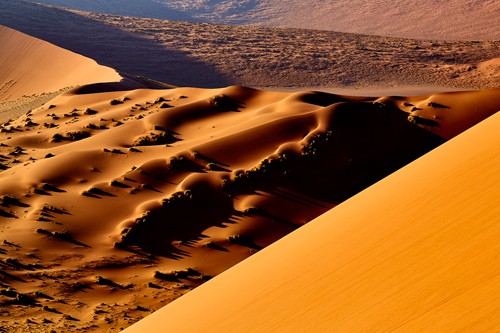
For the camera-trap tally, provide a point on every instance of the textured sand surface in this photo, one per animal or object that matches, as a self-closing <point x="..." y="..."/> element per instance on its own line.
<point x="31" y="66"/>
<point x="115" y="201"/>
<point x="207" y="55"/>
<point x="416" y="252"/>
<point x="135" y="197"/>
<point x="425" y="19"/>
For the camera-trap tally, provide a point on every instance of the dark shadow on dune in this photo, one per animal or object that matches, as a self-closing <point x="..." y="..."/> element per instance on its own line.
<point x="321" y="98"/>
<point x="109" y="46"/>
<point x="129" y="82"/>
<point x="179" y="222"/>
<point x="6" y="214"/>
<point x="6" y="275"/>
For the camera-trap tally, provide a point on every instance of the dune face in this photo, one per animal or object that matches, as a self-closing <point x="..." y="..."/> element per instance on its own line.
<point x="33" y="72"/>
<point x="135" y="197"/>
<point x="455" y="19"/>
<point x="31" y="66"/>
<point x="209" y="55"/>
<point x="416" y="252"/>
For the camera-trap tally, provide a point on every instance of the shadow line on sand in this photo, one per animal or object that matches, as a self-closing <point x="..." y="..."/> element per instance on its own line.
<point x="109" y="46"/>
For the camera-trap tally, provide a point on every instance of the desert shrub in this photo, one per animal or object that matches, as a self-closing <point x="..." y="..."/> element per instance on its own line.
<point x="437" y="105"/>
<point x="211" y="166"/>
<point x="178" y="163"/>
<point x="103" y="281"/>
<point x="223" y="103"/>
<point x="57" y="137"/>
<point x="165" y="106"/>
<point x="89" y="111"/>
<point x="92" y="126"/>
<point x="115" y="102"/>
<point x="165" y="137"/>
<point x="417" y="120"/>
<point x="77" y="135"/>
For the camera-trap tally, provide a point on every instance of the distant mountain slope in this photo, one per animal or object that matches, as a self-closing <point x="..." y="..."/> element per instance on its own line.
<point x="427" y="19"/>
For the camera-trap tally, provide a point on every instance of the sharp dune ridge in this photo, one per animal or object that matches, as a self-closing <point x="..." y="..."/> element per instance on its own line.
<point x="416" y="252"/>
<point x="210" y="55"/>
<point x="119" y="197"/>
<point x="33" y="72"/>
<point x="454" y="19"/>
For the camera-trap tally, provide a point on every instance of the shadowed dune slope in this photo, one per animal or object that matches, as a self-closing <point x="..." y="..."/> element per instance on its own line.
<point x="416" y="252"/>
<point x="126" y="52"/>
<point x="135" y="197"/>
<point x="31" y="66"/>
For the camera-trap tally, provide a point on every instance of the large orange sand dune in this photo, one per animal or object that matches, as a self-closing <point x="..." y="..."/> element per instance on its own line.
<point x="31" y="66"/>
<point x="416" y="252"/>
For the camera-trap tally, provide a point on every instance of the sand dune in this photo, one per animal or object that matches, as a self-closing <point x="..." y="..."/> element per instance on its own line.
<point x="115" y="200"/>
<point x="208" y="55"/>
<point x="453" y="19"/>
<point x="31" y="66"/>
<point x="33" y="72"/>
<point x="416" y="252"/>
<point x="108" y="197"/>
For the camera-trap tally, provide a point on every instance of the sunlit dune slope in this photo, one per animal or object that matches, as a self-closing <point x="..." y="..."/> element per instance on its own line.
<point x="107" y="195"/>
<point x="31" y="66"/>
<point x="416" y="252"/>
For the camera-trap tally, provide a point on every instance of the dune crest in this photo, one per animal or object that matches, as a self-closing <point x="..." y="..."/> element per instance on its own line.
<point x="31" y="66"/>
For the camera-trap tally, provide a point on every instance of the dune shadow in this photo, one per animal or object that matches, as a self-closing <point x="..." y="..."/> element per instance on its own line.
<point x="109" y="46"/>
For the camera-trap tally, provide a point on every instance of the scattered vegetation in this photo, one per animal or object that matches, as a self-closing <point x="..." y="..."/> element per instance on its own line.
<point x="223" y="103"/>
<point x="105" y="282"/>
<point x="174" y="276"/>
<point x="115" y="102"/>
<point x="164" y="137"/>
<point x="437" y="105"/>
<point x="71" y="136"/>
<point x="89" y="111"/>
<point x="417" y="120"/>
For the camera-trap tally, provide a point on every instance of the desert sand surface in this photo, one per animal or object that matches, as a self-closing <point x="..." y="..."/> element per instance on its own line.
<point x="30" y="66"/>
<point x="452" y="19"/>
<point x="416" y="252"/>
<point x="211" y="55"/>
<point x="33" y="72"/>
<point x="115" y="203"/>
<point x="121" y="195"/>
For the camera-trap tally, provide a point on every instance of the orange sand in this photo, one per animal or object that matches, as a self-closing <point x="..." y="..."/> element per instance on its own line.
<point x="416" y="252"/>
<point x="31" y="66"/>
<point x="115" y="201"/>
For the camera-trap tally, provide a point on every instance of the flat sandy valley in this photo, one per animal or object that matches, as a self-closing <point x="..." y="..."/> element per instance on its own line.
<point x="245" y="176"/>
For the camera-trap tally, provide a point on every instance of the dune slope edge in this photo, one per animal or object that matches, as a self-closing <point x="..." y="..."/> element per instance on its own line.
<point x="417" y="251"/>
<point x="31" y="66"/>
